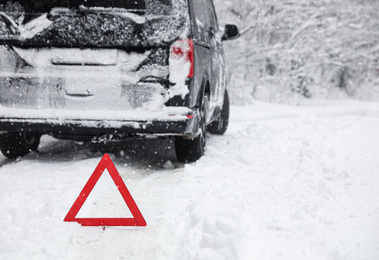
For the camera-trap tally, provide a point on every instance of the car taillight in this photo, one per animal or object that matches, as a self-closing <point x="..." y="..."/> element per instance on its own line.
<point x="182" y="51"/>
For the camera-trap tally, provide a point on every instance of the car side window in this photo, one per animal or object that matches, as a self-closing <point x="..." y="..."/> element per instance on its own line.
<point x="212" y="17"/>
<point x="201" y="20"/>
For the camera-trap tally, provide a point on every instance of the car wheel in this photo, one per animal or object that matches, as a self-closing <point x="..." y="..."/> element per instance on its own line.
<point x="219" y="126"/>
<point x="14" y="144"/>
<point x="190" y="150"/>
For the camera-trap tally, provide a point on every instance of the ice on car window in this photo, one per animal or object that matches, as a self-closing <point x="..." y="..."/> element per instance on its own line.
<point x="94" y="23"/>
<point x="42" y="6"/>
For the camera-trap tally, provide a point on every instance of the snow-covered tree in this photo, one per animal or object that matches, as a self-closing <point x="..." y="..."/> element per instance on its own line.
<point x="320" y="48"/>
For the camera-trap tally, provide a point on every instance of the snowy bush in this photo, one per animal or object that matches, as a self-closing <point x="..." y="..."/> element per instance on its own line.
<point x="303" y="49"/>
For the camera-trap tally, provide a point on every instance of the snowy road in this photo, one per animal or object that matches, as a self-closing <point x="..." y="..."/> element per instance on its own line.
<point x="285" y="182"/>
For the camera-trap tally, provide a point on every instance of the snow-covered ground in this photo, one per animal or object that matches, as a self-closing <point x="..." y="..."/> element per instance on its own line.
<point x="284" y="182"/>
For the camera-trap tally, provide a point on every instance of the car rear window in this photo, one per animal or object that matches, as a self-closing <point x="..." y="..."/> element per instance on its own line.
<point x="93" y="23"/>
<point x="42" y="6"/>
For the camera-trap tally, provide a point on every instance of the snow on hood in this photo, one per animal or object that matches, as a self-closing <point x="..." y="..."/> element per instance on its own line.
<point x="96" y="26"/>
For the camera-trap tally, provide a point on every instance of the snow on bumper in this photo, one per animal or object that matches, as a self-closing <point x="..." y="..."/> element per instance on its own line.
<point x="168" y="121"/>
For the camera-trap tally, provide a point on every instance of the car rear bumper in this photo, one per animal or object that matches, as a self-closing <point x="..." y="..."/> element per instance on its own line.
<point x="169" y="121"/>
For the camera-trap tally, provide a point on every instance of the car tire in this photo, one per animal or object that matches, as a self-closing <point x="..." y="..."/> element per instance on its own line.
<point x="190" y="150"/>
<point x="220" y="126"/>
<point x="14" y="144"/>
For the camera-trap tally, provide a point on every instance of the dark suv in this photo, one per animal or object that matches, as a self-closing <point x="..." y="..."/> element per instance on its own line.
<point x="93" y="70"/>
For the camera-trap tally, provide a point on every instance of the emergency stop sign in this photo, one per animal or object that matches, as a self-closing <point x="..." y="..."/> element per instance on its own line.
<point x="106" y="163"/>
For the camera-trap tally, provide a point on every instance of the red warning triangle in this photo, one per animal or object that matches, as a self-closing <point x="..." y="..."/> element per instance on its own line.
<point x="106" y="163"/>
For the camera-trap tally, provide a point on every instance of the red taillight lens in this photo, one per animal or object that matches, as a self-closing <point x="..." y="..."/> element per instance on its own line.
<point x="182" y="50"/>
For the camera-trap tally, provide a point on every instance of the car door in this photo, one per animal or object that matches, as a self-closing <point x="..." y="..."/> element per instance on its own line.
<point x="207" y="39"/>
<point x="218" y="63"/>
